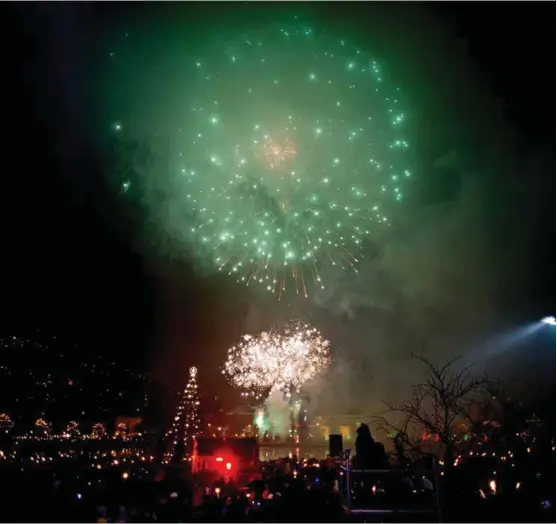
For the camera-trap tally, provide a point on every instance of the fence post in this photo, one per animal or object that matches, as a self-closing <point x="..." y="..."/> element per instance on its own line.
<point x="348" y="490"/>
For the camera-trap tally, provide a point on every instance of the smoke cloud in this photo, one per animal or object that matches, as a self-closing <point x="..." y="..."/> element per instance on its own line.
<point x="278" y="414"/>
<point x="455" y="260"/>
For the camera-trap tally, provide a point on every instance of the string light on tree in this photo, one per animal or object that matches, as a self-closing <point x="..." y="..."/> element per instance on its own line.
<point x="193" y="421"/>
<point x="6" y="423"/>
<point x="43" y="428"/>
<point x="186" y="424"/>
<point x="99" y="431"/>
<point x="72" y="429"/>
<point x="121" y="430"/>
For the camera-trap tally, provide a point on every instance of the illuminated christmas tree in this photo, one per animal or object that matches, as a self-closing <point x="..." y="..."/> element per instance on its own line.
<point x="6" y="423"/>
<point x="121" y="430"/>
<point x="72" y="430"/>
<point x="186" y="424"/>
<point x="43" y="428"/>
<point x="99" y="431"/>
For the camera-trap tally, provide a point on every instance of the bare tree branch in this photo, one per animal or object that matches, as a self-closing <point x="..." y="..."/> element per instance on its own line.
<point x="449" y="397"/>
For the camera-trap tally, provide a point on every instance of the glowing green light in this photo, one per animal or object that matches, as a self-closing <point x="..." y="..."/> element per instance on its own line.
<point x="262" y="178"/>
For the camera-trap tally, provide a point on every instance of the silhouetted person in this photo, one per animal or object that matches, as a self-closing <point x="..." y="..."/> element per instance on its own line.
<point x="364" y="447"/>
<point x="369" y="453"/>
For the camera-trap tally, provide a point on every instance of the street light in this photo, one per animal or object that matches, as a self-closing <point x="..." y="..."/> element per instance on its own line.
<point x="549" y="320"/>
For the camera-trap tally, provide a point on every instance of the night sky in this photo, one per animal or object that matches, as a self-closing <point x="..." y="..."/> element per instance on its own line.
<point x="73" y="258"/>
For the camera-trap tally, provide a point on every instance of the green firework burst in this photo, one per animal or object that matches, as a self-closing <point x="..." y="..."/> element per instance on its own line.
<point x="292" y="156"/>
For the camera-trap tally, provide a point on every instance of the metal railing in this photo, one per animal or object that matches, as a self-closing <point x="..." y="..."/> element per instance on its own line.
<point x="382" y="492"/>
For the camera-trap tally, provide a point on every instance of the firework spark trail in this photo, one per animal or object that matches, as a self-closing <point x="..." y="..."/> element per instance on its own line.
<point x="294" y="152"/>
<point x="281" y="361"/>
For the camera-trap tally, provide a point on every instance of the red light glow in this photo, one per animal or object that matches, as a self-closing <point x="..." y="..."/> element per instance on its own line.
<point x="277" y="153"/>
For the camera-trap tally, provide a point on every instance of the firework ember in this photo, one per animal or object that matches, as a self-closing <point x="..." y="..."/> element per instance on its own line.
<point x="291" y="157"/>
<point x="278" y="360"/>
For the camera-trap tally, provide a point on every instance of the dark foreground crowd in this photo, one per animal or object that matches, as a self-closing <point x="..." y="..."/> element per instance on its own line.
<point x="58" y="496"/>
<point x="283" y="491"/>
